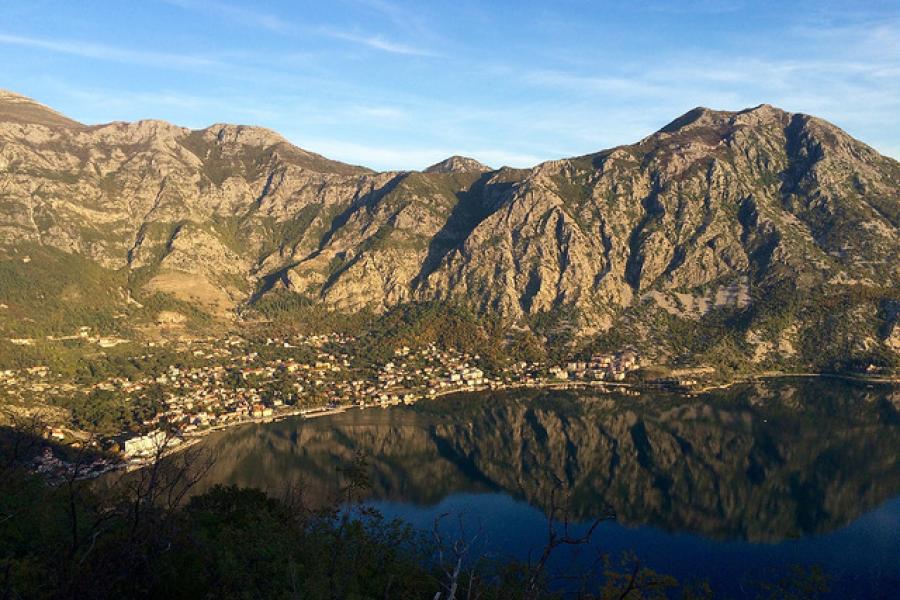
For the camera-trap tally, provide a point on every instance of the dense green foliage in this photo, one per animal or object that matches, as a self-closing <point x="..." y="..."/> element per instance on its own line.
<point x="65" y="291"/>
<point x="84" y="363"/>
<point x="285" y="312"/>
<point x="446" y="325"/>
<point x="108" y="413"/>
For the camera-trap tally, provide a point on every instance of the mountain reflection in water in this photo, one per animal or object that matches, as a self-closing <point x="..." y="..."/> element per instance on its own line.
<point x="759" y="462"/>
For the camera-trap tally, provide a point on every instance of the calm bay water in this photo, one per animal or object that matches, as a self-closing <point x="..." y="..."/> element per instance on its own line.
<point x="731" y="487"/>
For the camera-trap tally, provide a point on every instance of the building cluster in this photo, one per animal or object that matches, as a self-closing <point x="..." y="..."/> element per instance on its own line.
<point x="203" y="398"/>
<point x="84" y="334"/>
<point x="146" y="445"/>
<point x="32" y="382"/>
<point x="429" y="370"/>
<point x="604" y="367"/>
<point x="230" y="381"/>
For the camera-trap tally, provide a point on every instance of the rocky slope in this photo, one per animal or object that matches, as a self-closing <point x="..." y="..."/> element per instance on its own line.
<point x="759" y="233"/>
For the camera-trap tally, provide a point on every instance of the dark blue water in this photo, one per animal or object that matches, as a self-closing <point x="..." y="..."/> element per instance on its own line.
<point x="733" y="488"/>
<point x="862" y="559"/>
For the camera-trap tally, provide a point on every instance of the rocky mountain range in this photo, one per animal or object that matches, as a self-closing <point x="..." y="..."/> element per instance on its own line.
<point x="758" y="237"/>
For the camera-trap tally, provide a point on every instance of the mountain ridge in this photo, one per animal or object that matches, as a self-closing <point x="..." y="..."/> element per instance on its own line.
<point x="696" y="226"/>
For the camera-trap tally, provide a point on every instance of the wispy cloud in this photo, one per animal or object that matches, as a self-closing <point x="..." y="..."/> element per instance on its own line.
<point x="398" y="14"/>
<point x="105" y="104"/>
<point x="588" y="83"/>
<point x="376" y="42"/>
<point x="110" y="53"/>
<point x="405" y="18"/>
<point x="276" y="24"/>
<point x="392" y="158"/>
<point x="389" y="113"/>
<point x="496" y="157"/>
<point x="254" y="17"/>
<point x="510" y="95"/>
<point x="704" y="7"/>
<point x="847" y="71"/>
<point x="381" y="157"/>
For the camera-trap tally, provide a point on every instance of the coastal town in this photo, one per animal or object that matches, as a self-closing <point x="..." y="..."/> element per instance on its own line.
<point x="232" y="381"/>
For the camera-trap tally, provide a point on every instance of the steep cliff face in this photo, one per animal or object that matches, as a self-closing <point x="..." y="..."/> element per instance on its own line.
<point x="710" y="200"/>
<point x="169" y="204"/>
<point x="703" y="219"/>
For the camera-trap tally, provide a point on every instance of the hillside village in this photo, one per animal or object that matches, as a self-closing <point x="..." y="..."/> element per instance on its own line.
<point x="230" y="382"/>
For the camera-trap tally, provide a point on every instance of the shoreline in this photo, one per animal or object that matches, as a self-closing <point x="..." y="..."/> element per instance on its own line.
<point x="192" y="439"/>
<point x="771" y="375"/>
<point x="189" y="440"/>
<point x="196" y="437"/>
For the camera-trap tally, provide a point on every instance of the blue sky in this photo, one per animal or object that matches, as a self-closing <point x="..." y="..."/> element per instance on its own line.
<point x="399" y="85"/>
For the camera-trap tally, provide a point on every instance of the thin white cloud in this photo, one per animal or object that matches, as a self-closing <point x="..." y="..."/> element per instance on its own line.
<point x="388" y="113"/>
<point x="239" y="14"/>
<point x="399" y="15"/>
<point x="848" y="73"/>
<point x="276" y="24"/>
<point x="104" y="104"/>
<point x="375" y="42"/>
<point x="496" y="157"/>
<point x="404" y="18"/>
<point x="625" y="86"/>
<point x="377" y="157"/>
<point x="523" y="111"/>
<point x="395" y="159"/>
<point x="109" y="53"/>
<point x="702" y="7"/>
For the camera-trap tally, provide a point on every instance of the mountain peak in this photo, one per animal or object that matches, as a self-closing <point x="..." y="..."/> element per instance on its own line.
<point x="21" y="109"/>
<point x="458" y="164"/>
<point x="244" y="134"/>
<point x="695" y="116"/>
<point x="706" y="117"/>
